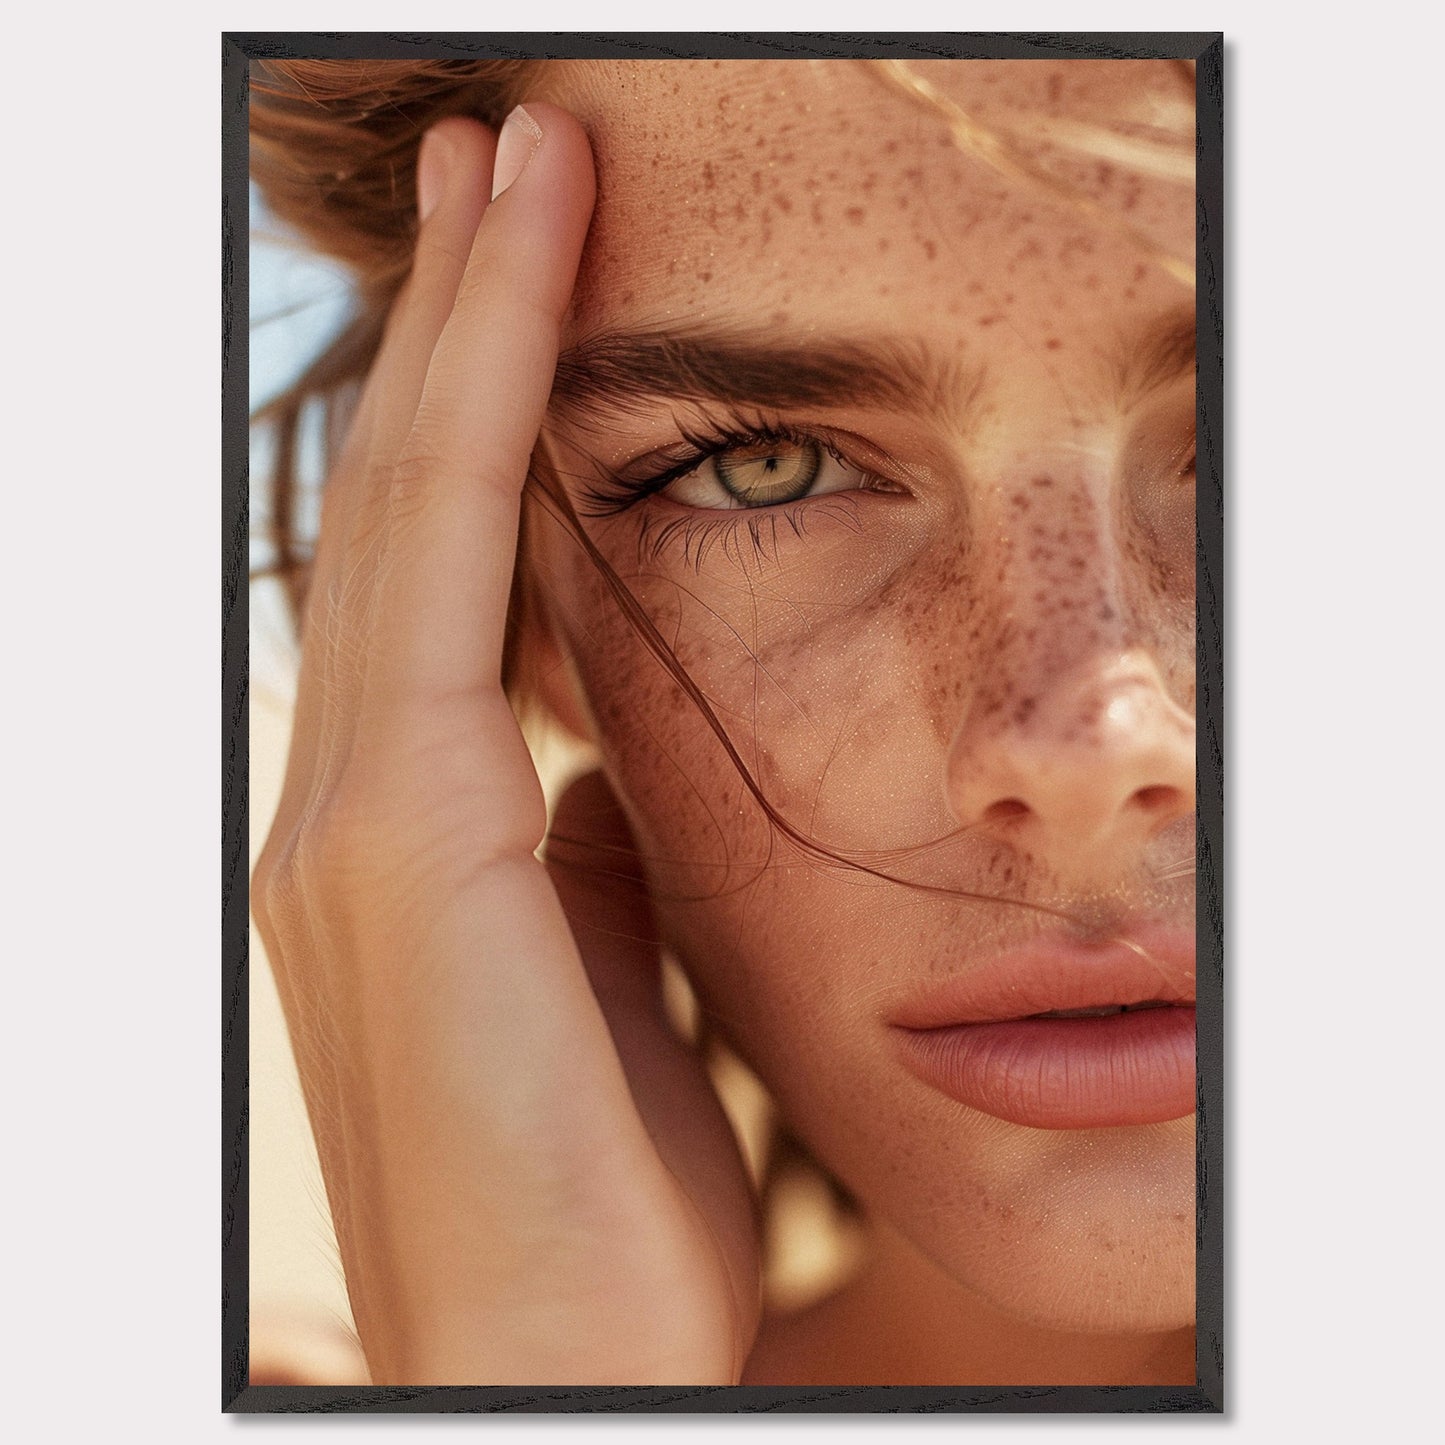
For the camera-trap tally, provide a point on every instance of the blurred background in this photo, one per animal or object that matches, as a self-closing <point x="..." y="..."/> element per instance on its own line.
<point x="298" y="1297"/>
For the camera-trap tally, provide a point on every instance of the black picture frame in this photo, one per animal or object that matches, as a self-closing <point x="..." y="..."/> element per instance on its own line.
<point x="1207" y="1394"/>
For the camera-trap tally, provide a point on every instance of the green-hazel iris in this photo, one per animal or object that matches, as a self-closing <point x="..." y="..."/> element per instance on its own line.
<point x="763" y="474"/>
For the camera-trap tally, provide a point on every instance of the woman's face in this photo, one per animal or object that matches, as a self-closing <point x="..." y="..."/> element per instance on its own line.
<point x="940" y="594"/>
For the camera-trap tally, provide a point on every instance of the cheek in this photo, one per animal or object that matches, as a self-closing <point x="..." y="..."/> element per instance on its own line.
<point x="827" y="669"/>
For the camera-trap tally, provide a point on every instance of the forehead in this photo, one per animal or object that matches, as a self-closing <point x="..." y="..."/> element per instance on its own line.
<point x="814" y="195"/>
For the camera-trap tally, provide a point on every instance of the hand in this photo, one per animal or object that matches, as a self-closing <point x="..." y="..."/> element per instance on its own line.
<point x="530" y="1177"/>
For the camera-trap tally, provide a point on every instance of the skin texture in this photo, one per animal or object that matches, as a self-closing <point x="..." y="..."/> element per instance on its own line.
<point x="975" y="675"/>
<point x="958" y="679"/>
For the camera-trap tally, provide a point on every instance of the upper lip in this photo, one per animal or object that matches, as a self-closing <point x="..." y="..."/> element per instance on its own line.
<point x="1058" y="973"/>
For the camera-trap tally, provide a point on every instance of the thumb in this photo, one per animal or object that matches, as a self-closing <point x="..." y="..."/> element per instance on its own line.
<point x="595" y="867"/>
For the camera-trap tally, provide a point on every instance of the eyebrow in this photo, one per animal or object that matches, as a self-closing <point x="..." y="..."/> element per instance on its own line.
<point x="743" y="367"/>
<point x="1160" y="355"/>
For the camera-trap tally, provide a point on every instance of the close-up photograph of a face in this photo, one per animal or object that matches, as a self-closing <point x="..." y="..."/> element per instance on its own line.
<point x="724" y="832"/>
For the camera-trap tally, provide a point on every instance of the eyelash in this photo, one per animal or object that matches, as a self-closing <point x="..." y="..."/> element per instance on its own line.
<point x="700" y="529"/>
<point x="638" y="480"/>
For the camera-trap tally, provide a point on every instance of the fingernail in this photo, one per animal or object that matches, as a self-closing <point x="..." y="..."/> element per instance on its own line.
<point x="432" y="165"/>
<point x="520" y="137"/>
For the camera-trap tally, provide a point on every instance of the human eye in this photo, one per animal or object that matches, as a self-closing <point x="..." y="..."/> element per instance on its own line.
<point x="766" y="472"/>
<point x="731" y="468"/>
<point x="1184" y="461"/>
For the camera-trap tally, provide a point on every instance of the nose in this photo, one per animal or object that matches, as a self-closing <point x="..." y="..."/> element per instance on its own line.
<point x="1094" y="763"/>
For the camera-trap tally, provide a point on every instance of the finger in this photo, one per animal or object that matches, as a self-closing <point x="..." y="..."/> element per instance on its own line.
<point x="454" y="176"/>
<point x="456" y="166"/>
<point x="594" y="865"/>
<point x="451" y="542"/>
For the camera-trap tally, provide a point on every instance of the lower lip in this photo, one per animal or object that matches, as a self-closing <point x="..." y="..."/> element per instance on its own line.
<point x="1079" y="1073"/>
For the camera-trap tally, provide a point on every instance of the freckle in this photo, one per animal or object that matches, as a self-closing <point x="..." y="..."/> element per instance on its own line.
<point x="757" y="182"/>
<point x="1106" y="613"/>
<point x="883" y="243"/>
<point x="890" y="148"/>
<point x="780" y="318"/>
<point x="930" y="249"/>
<point x="1044" y="482"/>
<point x="1053" y="343"/>
<point x="704" y="276"/>
<point x="855" y="214"/>
<point x="817" y="214"/>
<point x="1139" y="271"/>
<point x="989" y="320"/>
<point x="1056" y="87"/>
<point x="782" y="202"/>
<point x="974" y="287"/>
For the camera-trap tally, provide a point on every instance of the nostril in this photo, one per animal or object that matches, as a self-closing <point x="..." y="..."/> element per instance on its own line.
<point x="1156" y="798"/>
<point x="1004" y="809"/>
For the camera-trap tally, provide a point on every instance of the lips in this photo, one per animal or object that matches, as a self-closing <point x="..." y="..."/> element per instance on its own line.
<point x="1062" y="1034"/>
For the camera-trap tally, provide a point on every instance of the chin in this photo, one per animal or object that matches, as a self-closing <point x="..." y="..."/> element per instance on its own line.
<point x="1078" y="1231"/>
<point x="1070" y="1295"/>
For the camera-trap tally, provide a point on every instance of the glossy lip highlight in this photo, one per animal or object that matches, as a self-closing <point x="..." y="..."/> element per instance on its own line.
<point x="978" y="1038"/>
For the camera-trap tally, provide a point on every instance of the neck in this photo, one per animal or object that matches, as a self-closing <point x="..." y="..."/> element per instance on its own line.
<point x="901" y="1321"/>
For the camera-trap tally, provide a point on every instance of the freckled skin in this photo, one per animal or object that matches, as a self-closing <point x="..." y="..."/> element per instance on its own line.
<point x="872" y="670"/>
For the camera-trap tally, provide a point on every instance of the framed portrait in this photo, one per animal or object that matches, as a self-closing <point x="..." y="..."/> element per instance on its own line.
<point x="724" y="725"/>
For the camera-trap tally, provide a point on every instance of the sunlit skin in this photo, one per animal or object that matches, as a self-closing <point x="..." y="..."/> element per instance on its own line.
<point x="859" y="541"/>
<point x="974" y="671"/>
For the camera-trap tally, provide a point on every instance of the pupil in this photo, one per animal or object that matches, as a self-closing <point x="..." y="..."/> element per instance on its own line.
<point x="768" y="473"/>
